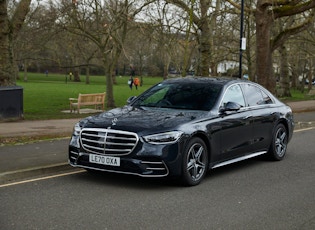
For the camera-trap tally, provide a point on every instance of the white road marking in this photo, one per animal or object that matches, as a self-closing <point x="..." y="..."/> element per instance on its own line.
<point x="41" y="178"/>
<point x="301" y="130"/>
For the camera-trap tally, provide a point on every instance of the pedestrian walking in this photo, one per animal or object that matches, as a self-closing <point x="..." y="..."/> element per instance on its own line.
<point x="136" y="82"/>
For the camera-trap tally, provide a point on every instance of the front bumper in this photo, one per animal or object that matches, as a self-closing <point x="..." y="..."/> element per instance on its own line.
<point x="146" y="160"/>
<point x="145" y="168"/>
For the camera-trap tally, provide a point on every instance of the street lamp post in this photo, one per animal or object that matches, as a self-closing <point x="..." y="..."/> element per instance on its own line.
<point x="242" y="40"/>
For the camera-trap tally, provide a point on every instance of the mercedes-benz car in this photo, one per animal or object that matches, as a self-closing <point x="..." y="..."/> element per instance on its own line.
<point x="184" y="127"/>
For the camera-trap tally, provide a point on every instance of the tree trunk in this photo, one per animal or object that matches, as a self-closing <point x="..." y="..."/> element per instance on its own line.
<point x="8" y="31"/>
<point x="205" y="39"/>
<point x="284" y="74"/>
<point x="110" y="102"/>
<point x="87" y="78"/>
<point x="76" y="73"/>
<point x="5" y="54"/>
<point x="25" y="71"/>
<point x="264" y="71"/>
<point x="165" y="67"/>
<point x="250" y="60"/>
<point x="294" y="80"/>
<point x="310" y="75"/>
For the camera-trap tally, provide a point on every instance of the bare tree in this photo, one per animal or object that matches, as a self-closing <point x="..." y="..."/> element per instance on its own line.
<point x="31" y="47"/>
<point x="167" y="34"/>
<point x="106" y="24"/>
<point x="266" y="13"/>
<point x="307" y="56"/>
<point x="9" y="28"/>
<point x="301" y="58"/>
<point x="200" y="15"/>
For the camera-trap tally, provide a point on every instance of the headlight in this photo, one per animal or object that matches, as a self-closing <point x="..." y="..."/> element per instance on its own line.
<point x="163" y="138"/>
<point x="77" y="129"/>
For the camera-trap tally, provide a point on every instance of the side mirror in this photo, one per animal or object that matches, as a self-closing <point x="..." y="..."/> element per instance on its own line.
<point x="230" y="106"/>
<point x="131" y="99"/>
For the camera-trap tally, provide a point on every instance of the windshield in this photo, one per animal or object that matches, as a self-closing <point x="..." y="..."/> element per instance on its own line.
<point x="196" y="96"/>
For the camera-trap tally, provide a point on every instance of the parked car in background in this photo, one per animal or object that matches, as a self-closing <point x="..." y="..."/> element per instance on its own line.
<point x="306" y="80"/>
<point x="183" y="128"/>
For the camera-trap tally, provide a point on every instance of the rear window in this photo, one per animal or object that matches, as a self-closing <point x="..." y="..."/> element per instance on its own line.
<point x="255" y="96"/>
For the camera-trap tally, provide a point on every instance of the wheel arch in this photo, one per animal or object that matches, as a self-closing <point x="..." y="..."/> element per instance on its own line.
<point x="278" y="146"/>
<point x="284" y="122"/>
<point x="205" y="139"/>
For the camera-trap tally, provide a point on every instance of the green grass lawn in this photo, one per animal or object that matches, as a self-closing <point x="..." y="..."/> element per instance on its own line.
<point x="296" y="95"/>
<point x="46" y="97"/>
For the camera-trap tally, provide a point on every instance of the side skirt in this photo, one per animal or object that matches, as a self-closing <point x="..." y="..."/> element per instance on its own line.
<point x="238" y="159"/>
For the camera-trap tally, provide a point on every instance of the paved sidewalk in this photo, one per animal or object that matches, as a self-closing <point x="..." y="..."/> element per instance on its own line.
<point x="62" y="127"/>
<point x="38" y="158"/>
<point x="302" y="106"/>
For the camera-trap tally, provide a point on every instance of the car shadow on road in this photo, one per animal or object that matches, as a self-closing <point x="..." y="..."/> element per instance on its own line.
<point x="124" y="180"/>
<point x="136" y="182"/>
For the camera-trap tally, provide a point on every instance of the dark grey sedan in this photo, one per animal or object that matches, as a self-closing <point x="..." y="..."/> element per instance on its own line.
<point x="183" y="128"/>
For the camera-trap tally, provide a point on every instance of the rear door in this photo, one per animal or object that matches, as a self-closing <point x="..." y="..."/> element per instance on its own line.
<point x="264" y="115"/>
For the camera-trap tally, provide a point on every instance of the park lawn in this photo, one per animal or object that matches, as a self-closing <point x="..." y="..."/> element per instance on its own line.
<point x="45" y="97"/>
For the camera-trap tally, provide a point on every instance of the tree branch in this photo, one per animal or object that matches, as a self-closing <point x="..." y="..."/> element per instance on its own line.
<point x="279" y="40"/>
<point x="141" y="7"/>
<point x="18" y="18"/>
<point x="238" y="6"/>
<point x="185" y="7"/>
<point x="292" y="8"/>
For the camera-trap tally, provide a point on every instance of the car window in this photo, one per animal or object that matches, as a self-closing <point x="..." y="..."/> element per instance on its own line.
<point x="266" y="98"/>
<point x="155" y="97"/>
<point x="234" y="94"/>
<point x="193" y="97"/>
<point x="255" y="96"/>
<point x="198" y="96"/>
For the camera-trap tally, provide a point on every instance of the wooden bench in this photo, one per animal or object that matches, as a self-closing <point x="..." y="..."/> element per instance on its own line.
<point x="96" y="99"/>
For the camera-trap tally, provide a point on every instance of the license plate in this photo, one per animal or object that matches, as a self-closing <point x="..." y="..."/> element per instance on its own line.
<point x="104" y="160"/>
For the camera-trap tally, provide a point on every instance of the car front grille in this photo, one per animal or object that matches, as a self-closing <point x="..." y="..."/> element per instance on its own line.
<point x="108" y="141"/>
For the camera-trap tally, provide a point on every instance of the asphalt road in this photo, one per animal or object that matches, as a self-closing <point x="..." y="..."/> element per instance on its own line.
<point x="254" y="194"/>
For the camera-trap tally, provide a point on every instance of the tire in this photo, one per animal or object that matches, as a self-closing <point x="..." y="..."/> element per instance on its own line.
<point x="279" y="143"/>
<point x="195" y="162"/>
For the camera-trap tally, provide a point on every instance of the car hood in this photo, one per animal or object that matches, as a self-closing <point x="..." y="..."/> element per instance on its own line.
<point x="142" y="119"/>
